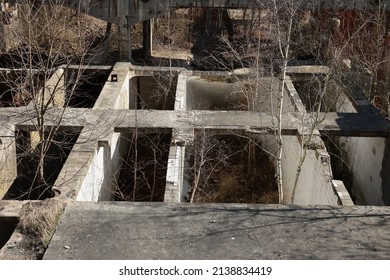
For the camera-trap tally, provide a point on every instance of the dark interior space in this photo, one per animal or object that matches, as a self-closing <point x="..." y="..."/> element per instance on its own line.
<point x="29" y="183"/>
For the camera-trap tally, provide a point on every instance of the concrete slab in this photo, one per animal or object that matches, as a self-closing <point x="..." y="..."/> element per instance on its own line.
<point x="220" y="231"/>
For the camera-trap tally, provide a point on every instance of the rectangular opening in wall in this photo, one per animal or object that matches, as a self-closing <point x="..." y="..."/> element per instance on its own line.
<point x="153" y="92"/>
<point x="229" y="167"/>
<point x="7" y="226"/>
<point x="39" y="161"/>
<point x="143" y="168"/>
<point x="83" y="86"/>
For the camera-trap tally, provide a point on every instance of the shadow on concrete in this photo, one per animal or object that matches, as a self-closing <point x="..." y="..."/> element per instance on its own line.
<point x="221" y="231"/>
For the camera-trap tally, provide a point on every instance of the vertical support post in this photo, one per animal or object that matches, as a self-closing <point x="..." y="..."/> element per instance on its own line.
<point x="147" y="38"/>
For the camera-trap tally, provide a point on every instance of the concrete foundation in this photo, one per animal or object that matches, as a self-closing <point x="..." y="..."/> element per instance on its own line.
<point x="105" y="161"/>
<point x="138" y="136"/>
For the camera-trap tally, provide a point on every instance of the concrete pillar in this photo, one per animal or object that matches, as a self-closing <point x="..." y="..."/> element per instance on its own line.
<point x="125" y="43"/>
<point x="124" y="10"/>
<point x="147" y="38"/>
<point x="2" y="34"/>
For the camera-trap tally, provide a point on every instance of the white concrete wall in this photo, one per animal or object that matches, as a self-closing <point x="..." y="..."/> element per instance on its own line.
<point x="8" y="169"/>
<point x="92" y="184"/>
<point x="175" y="189"/>
<point x="181" y="93"/>
<point x="54" y="93"/>
<point x="364" y="157"/>
<point x="119" y="147"/>
<point x="312" y="181"/>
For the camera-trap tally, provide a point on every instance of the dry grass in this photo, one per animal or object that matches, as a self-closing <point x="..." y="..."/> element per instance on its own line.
<point x="236" y="181"/>
<point x="38" y="221"/>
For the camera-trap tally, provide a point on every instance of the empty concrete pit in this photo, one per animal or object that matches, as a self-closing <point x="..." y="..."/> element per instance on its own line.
<point x="215" y="94"/>
<point x="320" y="95"/>
<point x="228" y="167"/>
<point x="142" y="172"/>
<point x="153" y="92"/>
<point x="310" y="90"/>
<point x="39" y="163"/>
<point x="83" y="86"/>
<point x="362" y="164"/>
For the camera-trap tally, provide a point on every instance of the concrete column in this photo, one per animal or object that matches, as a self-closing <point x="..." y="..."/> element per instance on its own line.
<point x="147" y="38"/>
<point x="124" y="10"/>
<point x="2" y="34"/>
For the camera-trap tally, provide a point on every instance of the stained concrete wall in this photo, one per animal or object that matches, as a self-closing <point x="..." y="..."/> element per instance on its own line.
<point x="8" y="169"/>
<point x="307" y="175"/>
<point x="87" y="173"/>
<point x="92" y="184"/>
<point x="175" y="188"/>
<point x="368" y="160"/>
<point x="204" y="94"/>
<point x="54" y="92"/>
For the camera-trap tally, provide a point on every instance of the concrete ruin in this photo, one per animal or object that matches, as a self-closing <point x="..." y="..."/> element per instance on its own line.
<point x="169" y="105"/>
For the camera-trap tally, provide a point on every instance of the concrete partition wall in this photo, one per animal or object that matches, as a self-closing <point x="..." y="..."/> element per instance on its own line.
<point x="87" y="174"/>
<point x="92" y="184"/>
<point x="368" y="160"/>
<point x="8" y="169"/>
<point x="118" y="148"/>
<point x="307" y="176"/>
<point x="176" y="188"/>
<point x="115" y="93"/>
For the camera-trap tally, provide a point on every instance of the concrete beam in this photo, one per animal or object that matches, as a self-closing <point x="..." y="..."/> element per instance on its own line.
<point x="129" y="12"/>
<point x="341" y="124"/>
<point x="307" y="69"/>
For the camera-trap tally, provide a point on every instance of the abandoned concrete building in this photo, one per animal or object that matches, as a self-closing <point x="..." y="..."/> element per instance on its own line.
<point x="262" y="148"/>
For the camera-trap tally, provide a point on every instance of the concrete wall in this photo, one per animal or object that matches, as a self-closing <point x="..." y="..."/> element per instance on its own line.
<point x="54" y="93"/>
<point x="92" y="184"/>
<point x="307" y="176"/>
<point x="119" y="147"/>
<point x="181" y="93"/>
<point x="8" y="170"/>
<point x="203" y="94"/>
<point x="368" y="161"/>
<point x="87" y="173"/>
<point x="175" y="188"/>
<point x="115" y="93"/>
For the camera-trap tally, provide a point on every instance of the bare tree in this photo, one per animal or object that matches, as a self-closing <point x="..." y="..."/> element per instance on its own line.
<point x="54" y="44"/>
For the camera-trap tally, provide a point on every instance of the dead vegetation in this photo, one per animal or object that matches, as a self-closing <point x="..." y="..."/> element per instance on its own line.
<point x="38" y="221"/>
<point x="230" y="169"/>
<point x="142" y="176"/>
